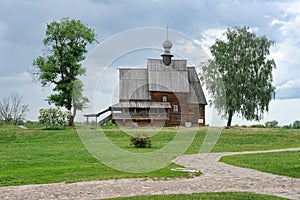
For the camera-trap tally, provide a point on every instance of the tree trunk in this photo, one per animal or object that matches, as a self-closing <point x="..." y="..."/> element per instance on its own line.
<point x="69" y="107"/>
<point x="73" y="116"/>
<point x="71" y="120"/>
<point x="229" y="119"/>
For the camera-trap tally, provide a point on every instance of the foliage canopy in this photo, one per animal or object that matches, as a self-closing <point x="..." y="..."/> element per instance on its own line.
<point x="66" y="43"/>
<point x="239" y="77"/>
<point x="296" y="124"/>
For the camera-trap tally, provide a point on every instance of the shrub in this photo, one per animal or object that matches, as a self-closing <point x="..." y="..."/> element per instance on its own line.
<point x="32" y="124"/>
<point x="140" y="141"/>
<point x="19" y="122"/>
<point x="272" y="124"/>
<point x="54" y="118"/>
<point x="287" y="126"/>
<point x="257" y="126"/>
<point x="296" y="124"/>
<point x="109" y="124"/>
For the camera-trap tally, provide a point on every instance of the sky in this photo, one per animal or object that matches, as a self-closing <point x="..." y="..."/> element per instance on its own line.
<point x="23" y="25"/>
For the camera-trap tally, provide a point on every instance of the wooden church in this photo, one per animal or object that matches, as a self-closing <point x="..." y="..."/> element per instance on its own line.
<point x="166" y="93"/>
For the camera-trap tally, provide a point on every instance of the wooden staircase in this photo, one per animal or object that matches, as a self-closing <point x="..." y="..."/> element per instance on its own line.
<point x="105" y="120"/>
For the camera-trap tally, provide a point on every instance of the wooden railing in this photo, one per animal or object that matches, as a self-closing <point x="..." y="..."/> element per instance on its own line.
<point x="106" y="119"/>
<point x="140" y="115"/>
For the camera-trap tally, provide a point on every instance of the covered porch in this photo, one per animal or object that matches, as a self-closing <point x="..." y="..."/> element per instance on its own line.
<point x="141" y="112"/>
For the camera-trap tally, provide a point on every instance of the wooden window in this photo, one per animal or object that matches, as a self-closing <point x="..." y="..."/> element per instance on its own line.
<point x="175" y="108"/>
<point x="164" y="98"/>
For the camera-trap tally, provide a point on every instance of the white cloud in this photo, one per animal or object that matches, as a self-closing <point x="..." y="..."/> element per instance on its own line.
<point x="282" y="110"/>
<point x="292" y="7"/>
<point x="287" y="51"/>
<point x="209" y="36"/>
<point x="290" y="84"/>
<point x="289" y="90"/>
<point x="276" y="22"/>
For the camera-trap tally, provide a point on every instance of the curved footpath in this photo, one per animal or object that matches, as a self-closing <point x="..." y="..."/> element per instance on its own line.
<point x="216" y="177"/>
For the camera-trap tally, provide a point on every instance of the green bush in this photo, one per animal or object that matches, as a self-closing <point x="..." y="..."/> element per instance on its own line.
<point x="257" y="126"/>
<point x="32" y="124"/>
<point x="54" y="118"/>
<point x="140" y="141"/>
<point x="272" y="124"/>
<point x="109" y="124"/>
<point x="296" y="124"/>
<point x="287" y="126"/>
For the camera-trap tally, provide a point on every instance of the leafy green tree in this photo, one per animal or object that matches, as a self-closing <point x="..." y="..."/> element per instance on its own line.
<point x="296" y="124"/>
<point x="79" y="101"/>
<point x="239" y="77"/>
<point x="66" y="43"/>
<point x="272" y="124"/>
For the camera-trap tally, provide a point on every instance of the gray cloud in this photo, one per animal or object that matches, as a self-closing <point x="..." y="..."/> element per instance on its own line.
<point x="23" y="24"/>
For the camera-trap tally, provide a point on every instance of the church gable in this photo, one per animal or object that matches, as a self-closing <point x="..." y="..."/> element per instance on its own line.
<point x="172" y="78"/>
<point x="133" y="84"/>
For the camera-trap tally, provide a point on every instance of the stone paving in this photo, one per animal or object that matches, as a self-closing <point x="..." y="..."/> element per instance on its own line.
<point x="216" y="177"/>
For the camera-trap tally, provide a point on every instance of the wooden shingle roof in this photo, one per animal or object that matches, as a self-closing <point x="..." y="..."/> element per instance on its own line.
<point x="136" y="84"/>
<point x="196" y="94"/>
<point x="172" y="78"/>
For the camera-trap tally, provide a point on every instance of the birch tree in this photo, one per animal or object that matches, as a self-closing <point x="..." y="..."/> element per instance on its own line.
<point x="241" y="65"/>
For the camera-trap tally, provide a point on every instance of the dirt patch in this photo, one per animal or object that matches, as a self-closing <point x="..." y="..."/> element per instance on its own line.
<point x="23" y="127"/>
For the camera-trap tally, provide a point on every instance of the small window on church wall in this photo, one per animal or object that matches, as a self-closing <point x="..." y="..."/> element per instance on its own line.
<point x="175" y="108"/>
<point x="164" y="98"/>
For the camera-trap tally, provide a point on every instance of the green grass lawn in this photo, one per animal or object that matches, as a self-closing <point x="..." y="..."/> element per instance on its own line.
<point x="283" y="163"/>
<point x="37" y="156"/>
<point x="207" y="196"/>
<point x="231" y="140"/>
<point x="250" y="139"/>
<point x="121" y="139"/>
<point x="46" y="156"/>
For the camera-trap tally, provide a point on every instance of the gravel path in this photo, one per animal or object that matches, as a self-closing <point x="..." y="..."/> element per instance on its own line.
<point x="216" y="177"/>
